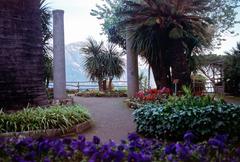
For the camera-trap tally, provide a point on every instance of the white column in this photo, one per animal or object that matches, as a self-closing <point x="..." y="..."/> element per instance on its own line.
<point x="132" y="69"/>
<point x="59" y="74"/>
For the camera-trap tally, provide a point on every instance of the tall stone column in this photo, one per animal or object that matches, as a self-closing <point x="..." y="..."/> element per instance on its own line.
<point x="132" y="69"/>
<point x="59" y="74"/>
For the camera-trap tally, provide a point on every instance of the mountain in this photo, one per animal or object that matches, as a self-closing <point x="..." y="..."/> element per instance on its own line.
<point x="74" y="63"/>
<point x="75" y="60"/>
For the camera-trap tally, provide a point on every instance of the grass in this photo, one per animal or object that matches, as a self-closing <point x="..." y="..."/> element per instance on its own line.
<point x="42" y="118"/>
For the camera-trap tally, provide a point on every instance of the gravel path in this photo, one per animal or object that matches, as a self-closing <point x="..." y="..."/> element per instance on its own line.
<point x="112" y="119"/>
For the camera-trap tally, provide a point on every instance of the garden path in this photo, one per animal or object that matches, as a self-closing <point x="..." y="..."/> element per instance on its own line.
<point x="111" y="116"/>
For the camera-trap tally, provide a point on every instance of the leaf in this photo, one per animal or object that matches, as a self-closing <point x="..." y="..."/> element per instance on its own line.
<point x="176" y="33"/>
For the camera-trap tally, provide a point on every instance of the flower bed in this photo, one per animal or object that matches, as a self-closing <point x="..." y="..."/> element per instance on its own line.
<point x="148" y="96"/>
<point x="54" y="117"/>
<point x="94" y="93"/>
<point x="135" y="149"/>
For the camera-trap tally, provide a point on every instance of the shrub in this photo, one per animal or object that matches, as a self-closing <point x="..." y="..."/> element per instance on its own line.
<point x="95" y="93"/>
<point x="62" y="117"/>
<point x="149" y="96"/>
<point x="135" y="149"/>
<point x="171" y="122"/>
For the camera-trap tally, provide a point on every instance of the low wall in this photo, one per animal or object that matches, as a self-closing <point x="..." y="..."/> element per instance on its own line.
<point x="48" y="132"/>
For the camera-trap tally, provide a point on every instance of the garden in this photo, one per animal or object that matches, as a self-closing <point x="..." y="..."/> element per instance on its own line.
<point x="178" y="121"/>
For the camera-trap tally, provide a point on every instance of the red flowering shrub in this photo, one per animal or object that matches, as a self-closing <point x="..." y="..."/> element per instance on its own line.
<point x="149" y="96"/>
<point x="153" y="94"/>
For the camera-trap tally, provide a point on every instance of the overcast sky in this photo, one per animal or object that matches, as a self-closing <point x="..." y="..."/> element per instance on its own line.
<point x="79" y="24"/>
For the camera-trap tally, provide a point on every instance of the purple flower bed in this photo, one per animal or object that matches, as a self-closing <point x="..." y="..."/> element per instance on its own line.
<point x="135" y="149"/>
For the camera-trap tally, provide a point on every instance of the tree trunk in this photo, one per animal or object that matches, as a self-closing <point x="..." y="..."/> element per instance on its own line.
<point x="110" y="88"/>
<point x="179" y="63"/>
<point x="100" y="85"/>
<point x="21" y="58"/>
<point x="160" y="71"/>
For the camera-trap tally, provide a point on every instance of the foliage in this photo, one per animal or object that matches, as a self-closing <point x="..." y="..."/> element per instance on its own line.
<point x="222" y="14"/>
<point x="149" y="96"/>
<point x="45" y="15"/>
<point x="232" y="71"/>
<point x="62" y="117"/>
<point x="94" y="93"/>
<point x="134" y="149"/>
<point x="108" y="12"/>
<point x="143" y="81"/>
<point x="199" y="114"/>
<point x="102" y="63"/>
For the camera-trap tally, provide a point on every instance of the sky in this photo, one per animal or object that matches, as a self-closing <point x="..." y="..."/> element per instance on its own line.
<point x="79" y="24"/>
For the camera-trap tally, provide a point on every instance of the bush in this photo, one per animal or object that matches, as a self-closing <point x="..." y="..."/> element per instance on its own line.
<point x="149" y="96"/>
<point x="95" y="93"/>
<point x="171" y="122"/>
<point x="62" y="117"/>
<point x="135" y="149"/>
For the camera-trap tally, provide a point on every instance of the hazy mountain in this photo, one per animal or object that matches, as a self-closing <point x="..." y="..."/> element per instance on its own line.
<point x="74" y="64"/>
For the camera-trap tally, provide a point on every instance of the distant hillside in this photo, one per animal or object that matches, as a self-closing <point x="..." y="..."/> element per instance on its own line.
<point x="74" y="64"/>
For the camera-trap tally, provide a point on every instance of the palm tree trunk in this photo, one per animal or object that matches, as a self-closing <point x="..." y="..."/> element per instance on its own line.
<point x="100" y="85"/>
<point x="160" y="71"/>
<point x="110" y="84"/>
<point x="179" y="63"/>
<point x="21" y="58"/>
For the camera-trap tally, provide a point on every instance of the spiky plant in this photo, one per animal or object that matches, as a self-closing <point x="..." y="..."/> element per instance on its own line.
<point x="166" y="33"/>
<point x="114" y="63"/>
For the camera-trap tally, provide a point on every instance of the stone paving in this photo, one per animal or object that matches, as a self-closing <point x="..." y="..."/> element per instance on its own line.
<point x="112" y="118"/>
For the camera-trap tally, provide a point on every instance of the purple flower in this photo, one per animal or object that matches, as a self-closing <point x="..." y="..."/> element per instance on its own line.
<point x="96" y="157"/>
<point x="133" y="137"/>
<point x="89" y="149"/>
<point x="170" y="149"/>
<point x="30" y="156"/>
<point x="145" y="157"/>
<point x="215" y="143"/>
<point x="182" y="151"/>
<point x="81" y="138"/>
<point x="170" y="157"/>
<point x="67" y="141"/>
<point x="46" y="160"/>
<point x="119" y="156"/>
<point x="134" y="157"/>
<point x="222" y="137"/>
<point x="188" y="136"/>
<point x="96" y="140"/>
<point x="121" y="147"/>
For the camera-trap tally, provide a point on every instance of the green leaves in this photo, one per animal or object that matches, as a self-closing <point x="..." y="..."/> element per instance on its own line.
<point x="62" y="117"/>
<point x="176" y="33"/>
<point x="162" y="121"/>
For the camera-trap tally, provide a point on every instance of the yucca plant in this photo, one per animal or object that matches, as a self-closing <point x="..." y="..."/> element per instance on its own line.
<point x="113" y="62"/>
<point x="102" y="63"/>
<point x="93" y="64"/>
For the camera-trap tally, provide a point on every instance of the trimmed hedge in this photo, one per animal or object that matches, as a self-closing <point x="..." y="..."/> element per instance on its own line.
<point x="53" y="117"/>
<point x="171" y="122"/>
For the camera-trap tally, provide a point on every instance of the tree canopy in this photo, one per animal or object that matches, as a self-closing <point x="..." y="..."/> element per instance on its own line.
<point x="222" y="13"/>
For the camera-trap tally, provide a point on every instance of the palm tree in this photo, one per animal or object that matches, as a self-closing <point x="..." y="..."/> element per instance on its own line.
<point x="166" y="33"/>
<point x="113" y="63"/>
<point x="21" y="62"/>
<point x="102" y="63"/>
<point x="45" y="15"/>
<point x="94" y="65"/>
